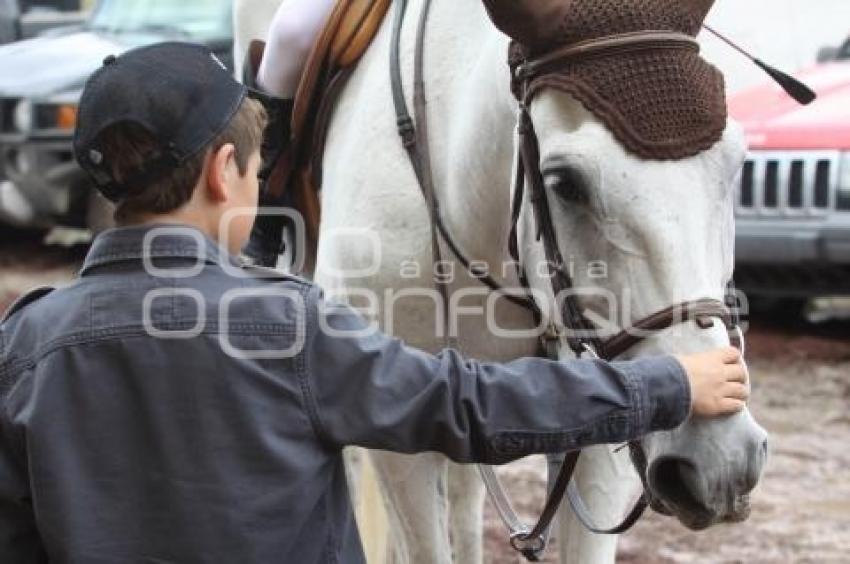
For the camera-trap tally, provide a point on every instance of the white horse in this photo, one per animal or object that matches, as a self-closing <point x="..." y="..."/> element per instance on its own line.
<point x="664" y="230"/>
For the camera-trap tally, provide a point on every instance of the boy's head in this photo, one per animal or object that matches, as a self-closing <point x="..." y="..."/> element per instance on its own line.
<point x="168" y="136"/>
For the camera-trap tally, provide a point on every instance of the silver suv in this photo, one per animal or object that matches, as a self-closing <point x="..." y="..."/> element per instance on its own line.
<point x="41" y="82"/>
<point x="22" y="19"/>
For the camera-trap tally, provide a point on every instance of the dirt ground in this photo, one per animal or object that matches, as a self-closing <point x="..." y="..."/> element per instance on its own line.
<point x="801" y="394"/>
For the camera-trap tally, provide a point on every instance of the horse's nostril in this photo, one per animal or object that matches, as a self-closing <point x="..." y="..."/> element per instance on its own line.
<point x="764" y="447"/>
<point x="676" y="481"/>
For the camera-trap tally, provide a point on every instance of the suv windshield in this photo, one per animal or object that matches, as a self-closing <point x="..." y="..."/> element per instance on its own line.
<point x="202" y="20"/>
<point x="8" y="9"/>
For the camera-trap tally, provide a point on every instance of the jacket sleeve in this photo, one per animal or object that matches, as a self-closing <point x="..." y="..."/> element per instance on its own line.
<point x="19" y="538"/>
<point x="367" y="389"/>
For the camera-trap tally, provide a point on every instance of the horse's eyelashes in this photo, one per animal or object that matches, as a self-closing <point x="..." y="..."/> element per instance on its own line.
<point x="567" y="183"/>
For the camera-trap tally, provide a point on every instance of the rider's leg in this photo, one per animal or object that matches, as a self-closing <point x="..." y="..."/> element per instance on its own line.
<point x="293" y="30"/>
<point x="276" y="68"/>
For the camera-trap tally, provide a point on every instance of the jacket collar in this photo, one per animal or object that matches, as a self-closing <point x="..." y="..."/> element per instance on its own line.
<point x="154" y="241"/>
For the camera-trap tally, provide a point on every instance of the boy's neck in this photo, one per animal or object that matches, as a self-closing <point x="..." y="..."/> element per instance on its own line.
<point x="181" y="219"/>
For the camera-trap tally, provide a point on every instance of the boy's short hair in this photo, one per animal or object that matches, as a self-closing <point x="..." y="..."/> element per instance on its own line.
<point x="127" y="146"/>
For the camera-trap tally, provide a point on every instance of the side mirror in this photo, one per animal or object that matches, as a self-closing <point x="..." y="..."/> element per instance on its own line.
<point x="827" y="54"/>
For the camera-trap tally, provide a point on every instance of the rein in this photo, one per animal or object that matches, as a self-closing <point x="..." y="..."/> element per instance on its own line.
<point x="580" y="334"/>
<point x="414" y="138"/>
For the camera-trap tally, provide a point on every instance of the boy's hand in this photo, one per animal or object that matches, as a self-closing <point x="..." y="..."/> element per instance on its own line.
<point x="719" y="382"/>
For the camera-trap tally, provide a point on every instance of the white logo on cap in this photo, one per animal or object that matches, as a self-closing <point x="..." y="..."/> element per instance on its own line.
<point x="218" y="61"/>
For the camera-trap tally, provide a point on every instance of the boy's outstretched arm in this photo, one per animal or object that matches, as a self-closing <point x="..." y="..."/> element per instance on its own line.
<point x="374" y="391"/>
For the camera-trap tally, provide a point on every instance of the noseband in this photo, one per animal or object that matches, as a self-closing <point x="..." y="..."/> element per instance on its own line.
<point x="576" y="330"/>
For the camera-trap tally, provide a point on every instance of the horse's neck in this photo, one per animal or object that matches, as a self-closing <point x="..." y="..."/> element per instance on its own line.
<point x="471" y="123"/>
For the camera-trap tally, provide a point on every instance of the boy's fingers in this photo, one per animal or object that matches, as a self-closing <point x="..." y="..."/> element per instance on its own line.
<point x="730" y="355"/>
<point x="728" y="406"/>
<point x="736" y="373"/>
<point x="734" y="390"/>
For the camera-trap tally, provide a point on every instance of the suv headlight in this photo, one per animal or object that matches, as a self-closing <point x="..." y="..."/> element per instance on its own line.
<point x="843" y="195"/>
<point x="66" y="117"/>
<point x="23" y="116"/>
<point x="55" y="117"/>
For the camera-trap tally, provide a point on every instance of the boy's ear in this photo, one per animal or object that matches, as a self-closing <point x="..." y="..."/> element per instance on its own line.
<point x="221" y="167"/>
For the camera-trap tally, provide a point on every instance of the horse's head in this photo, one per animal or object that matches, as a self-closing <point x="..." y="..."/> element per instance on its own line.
<point x="638" y="163"/>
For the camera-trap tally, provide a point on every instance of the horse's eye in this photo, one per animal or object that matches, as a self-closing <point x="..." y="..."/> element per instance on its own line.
<point x="567" y="183"/>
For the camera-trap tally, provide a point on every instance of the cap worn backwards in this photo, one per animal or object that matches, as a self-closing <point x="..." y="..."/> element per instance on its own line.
<point x="181" y="93"/>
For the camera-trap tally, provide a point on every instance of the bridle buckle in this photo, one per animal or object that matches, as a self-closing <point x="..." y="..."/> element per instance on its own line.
<point x="532" y="548"/>
<point x="737" y="339"/>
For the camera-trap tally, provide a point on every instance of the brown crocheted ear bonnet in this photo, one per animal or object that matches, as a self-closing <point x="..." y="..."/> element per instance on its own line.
<point x="660" y="102"/>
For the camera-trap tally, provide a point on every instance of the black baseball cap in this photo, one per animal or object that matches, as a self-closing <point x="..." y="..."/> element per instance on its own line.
<point x="181" y="93"/>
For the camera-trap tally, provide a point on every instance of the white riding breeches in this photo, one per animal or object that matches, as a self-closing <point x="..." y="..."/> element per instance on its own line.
<point x="293" y="30"/>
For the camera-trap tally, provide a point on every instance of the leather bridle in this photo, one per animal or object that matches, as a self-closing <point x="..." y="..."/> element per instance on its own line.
<point x="575" y="329"/>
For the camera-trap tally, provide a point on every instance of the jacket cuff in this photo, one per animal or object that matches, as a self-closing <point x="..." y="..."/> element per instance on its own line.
<point x="661" y="393"/>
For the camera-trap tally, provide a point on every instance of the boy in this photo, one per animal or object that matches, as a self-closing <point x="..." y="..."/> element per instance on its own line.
<point x="163" y="408"/>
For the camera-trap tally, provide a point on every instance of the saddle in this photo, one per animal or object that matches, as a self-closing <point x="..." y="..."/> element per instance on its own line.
<point x="297" y="177"/>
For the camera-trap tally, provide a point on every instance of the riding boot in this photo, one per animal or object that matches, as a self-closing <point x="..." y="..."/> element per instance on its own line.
<point x="267" y="237"/>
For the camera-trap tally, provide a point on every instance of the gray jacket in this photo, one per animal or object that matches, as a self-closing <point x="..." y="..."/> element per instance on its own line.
<point x="162" y="409"/>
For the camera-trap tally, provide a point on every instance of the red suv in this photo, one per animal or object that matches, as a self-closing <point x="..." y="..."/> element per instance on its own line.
<point x="793" y="205"/>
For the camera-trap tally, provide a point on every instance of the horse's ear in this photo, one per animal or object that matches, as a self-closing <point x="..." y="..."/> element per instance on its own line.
<point x="532" y="23"/>
<point x="700" y="8"/>
<point x="695" y="12"/>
